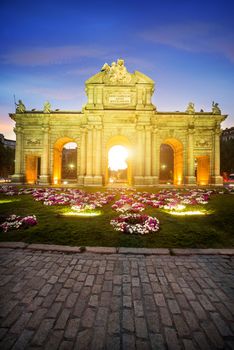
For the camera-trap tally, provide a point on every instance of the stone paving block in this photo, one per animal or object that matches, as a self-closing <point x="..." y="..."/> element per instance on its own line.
<point x="66" y="345"/>
<point x="20" y="324"/>
<point x="157" y="341"/>
<point x="42" y="332"/>
<point x="171" y="339"/>
<point x="88" y="318"/>
<point x="54" y="339"/>
<point x="212" y="334"/>
<point x="114" y="323"/>
<point x="72" y="328"/>
<point x="165" y="316"/>
<point x="128" y="321"/>
<point x="62" y="320"/>
<point x="23" y="340"/>
<point x="142" y="344"/>
<point x="84" y="339"/>
<point x="129" y="341"/>
<point x="141" y="328"/>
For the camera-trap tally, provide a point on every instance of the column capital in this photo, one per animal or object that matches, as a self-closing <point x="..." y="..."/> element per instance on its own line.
<point x="148" y="128"/>
<point x="45" y="129"/>
<point x="18" y="129"/>
<point x="98" y="127"/>
<point x="139" y="127"/>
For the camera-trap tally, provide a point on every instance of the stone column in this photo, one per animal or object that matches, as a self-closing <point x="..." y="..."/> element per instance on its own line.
<point x="216" y="179"/>
<point x="190" y="178"/>
<point x="138" y="178"/>
<point x="148" y="96"/>
<point x="155" y="156"/>
<point x="88" y="180"/>
<point x="44" y="177"/>
<point x="97" y="154"/>
<point x="83" y="154"/>
<point x="148" y="156"/>
<point x="18" y="177"/>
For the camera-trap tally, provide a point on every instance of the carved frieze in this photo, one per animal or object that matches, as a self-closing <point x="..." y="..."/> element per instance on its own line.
<point x="202" y="143"/>
<point x="34" y="141"/>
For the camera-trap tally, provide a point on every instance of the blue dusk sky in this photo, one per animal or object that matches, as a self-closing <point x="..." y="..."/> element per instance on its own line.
<point x="49" y="48"/>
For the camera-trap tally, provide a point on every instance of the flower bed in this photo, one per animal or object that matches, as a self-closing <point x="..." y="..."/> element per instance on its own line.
<point x="15" y="222"/>
<point x="135" y="224"/>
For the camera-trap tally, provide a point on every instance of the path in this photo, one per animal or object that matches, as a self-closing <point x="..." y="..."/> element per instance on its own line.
<point x="52" y="300"/>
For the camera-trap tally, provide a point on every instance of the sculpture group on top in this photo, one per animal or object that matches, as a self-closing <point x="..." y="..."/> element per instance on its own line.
<point x="117" y="72"/>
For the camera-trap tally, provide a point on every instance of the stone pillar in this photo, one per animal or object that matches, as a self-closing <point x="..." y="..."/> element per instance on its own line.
<point x="148" y="96"/>
<point x="216" y="179"/>
<point x="97" y="146"/>
<point x="148" y="156"/>
<point x="190" y="178"/>
<point x="88" y="180"/>
<point x="18" y="177"/>
<point x="83" y="155"/>
<point x="138" y="178"/>
<point x="155" y="156"/>
<point x="44" y="177"/>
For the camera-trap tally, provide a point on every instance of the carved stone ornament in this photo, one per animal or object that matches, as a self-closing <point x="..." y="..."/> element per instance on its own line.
<point x="116" y="73"/>
<point x="33" y="141"/>
<point x="202" y="143"/>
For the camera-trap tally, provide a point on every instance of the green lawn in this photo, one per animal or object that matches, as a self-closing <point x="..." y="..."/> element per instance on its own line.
<point x="214" y="230"/>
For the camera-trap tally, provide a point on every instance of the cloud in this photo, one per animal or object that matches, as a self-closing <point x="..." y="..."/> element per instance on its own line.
<point x="56" y="94"/>
<point x="50" y="55"/>
<point x="194" y="37"/>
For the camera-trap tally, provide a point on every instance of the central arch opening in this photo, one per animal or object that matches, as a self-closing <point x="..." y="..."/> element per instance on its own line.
<point x="118" y="164"/>
<point x="69" y="162"/>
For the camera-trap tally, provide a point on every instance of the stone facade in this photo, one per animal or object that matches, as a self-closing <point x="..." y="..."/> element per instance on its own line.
<point x="119" y="111"/>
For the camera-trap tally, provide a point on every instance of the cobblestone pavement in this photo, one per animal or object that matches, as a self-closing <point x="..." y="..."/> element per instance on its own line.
<point x="53" y="300"/>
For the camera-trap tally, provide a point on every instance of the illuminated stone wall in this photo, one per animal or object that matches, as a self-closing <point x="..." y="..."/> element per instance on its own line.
<point x="119" y="111"/>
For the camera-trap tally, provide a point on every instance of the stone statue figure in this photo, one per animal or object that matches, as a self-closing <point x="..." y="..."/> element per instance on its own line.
<point x="117" y="72"/>
<point x="190" y="109"/>
<point x="215" y="108"/>
<point x="47" y="107"/>
<point x="105" y="67"/>
<point x="20" y="107"/>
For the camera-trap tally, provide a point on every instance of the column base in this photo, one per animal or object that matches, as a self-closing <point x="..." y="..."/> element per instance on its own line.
<point x="138" y="180"/>
<point x="44" y="180"/>
<point x="155" y="180"/>
<point x="93" y="180"/>
<point x="80" y="180"/>
<point x="145" y="180"/>
<point x="217" y="180"/>
<point x="18" y="178"/>
<point x="190" y="180"/>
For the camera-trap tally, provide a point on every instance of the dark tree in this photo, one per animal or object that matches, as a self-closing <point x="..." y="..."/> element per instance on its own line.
<point x="227" y="156"/>
<point x="7" y="156"/>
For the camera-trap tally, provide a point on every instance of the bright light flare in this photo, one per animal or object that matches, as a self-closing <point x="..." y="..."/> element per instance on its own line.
<point x="73" y="213"/>
<point x="189" y="212"/>
<point x="117" y="157"/>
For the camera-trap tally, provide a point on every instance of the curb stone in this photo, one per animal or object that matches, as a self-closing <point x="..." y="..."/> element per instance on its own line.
<point x="120" y="250"/>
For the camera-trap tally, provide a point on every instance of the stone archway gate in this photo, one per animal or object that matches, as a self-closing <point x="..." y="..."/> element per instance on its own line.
<point x="119" y="105"/>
